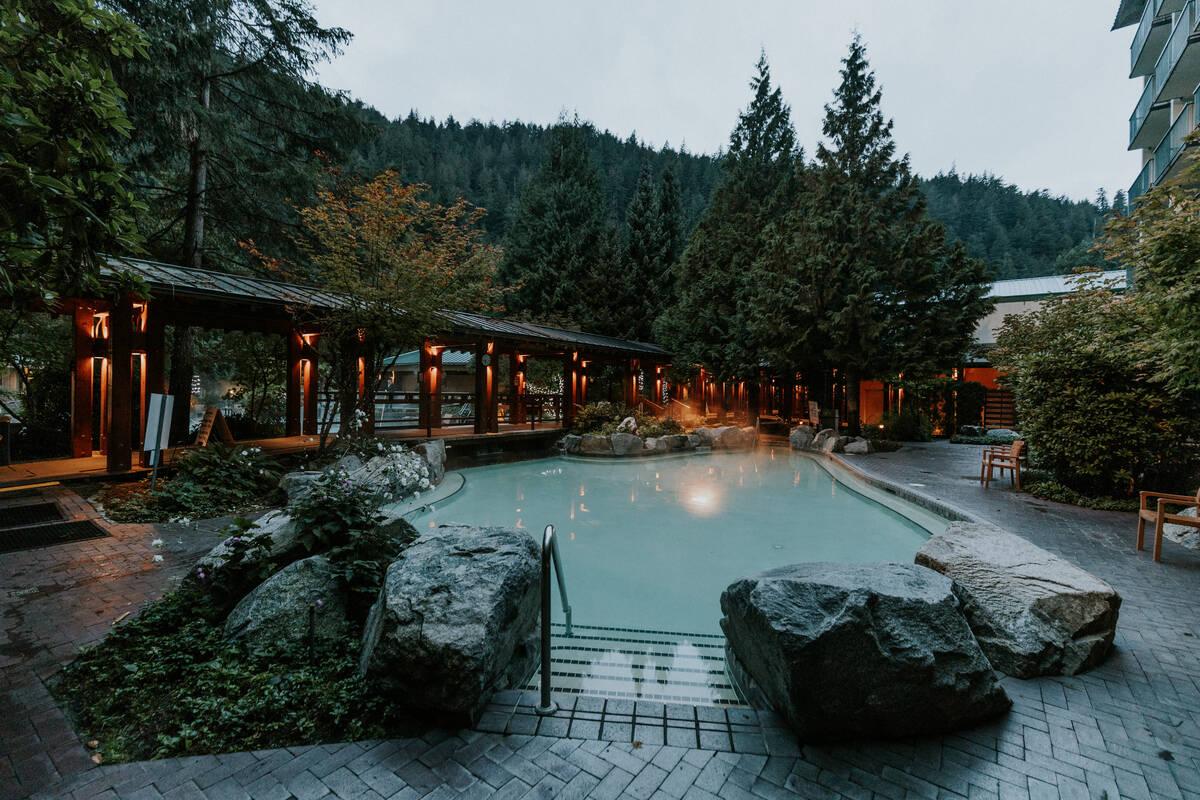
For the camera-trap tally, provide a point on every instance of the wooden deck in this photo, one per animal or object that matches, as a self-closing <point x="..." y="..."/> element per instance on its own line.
<point x="54" y="470"/>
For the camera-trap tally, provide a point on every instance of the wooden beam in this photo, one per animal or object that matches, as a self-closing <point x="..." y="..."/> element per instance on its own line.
<point x="292" y="392"/>
<point x="82" y="378"/>
<point x="312" y="363"/>
<point x="120" y="386"/>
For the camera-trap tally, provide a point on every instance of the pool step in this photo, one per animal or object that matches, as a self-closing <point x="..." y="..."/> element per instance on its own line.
<point x="641" y="665"/>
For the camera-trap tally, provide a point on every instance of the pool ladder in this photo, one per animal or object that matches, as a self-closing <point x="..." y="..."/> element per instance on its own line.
<point x="550" y="553"/>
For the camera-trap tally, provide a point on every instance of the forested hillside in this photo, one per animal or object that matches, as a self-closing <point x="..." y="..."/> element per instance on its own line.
<point x="1018" y="233"/>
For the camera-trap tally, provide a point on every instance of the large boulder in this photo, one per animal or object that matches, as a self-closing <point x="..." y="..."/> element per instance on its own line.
<point x="456" y="619"/>
<point x="801" y="437"/>
<point x="1032" y="612"/>
<point x="860" y="650"/>
<point x="624" y="444"/>
<point x="678" y="441"/>
<point x="570" y="443"/>
<point x="595" y="444"/>
<point x="858" y="446"/>
<point x="834" y="444"/>
<point x="301" y="604"/>
<point x="298" y="484"/>
<point x="822" y="436"/>
<point x="434" y="453"/>
<point x="1185" y="535"/>
<point x="628" y="425"/>
<point x="275" y="528"/>
<point x="395" y="474"/>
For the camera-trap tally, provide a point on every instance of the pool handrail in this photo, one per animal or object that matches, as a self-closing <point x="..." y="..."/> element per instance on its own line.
<point x="550" y="553"/>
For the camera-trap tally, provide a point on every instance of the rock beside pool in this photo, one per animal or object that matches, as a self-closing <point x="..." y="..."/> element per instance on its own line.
<point x="302" y="604"/>
<point x="1032" y="612"/>
<point x="822" y="436"/>
<point x="678" y="441"/>
<point x="456" y="619"/>
<point x="727" y="437"/>
<point x="627" y="425"/>
<point x="801" y="437"/>
<point x="279" y="534"/>
<point x="570" y="443"/>
<point x="847" y="651"/>
<point x="594" y="444"/>
<point x="434" y="453"/>
<point x="624" y="444"/>
<point x="834" y="444"/>
<point x="858" y="446"/>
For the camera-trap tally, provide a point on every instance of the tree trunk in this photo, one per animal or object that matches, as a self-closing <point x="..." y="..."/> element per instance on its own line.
<point x="182" y="364"/>
<point x="853" y="392"/>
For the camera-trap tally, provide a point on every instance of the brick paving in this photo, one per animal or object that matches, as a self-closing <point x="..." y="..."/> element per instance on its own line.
<point x="1126" y="729"/>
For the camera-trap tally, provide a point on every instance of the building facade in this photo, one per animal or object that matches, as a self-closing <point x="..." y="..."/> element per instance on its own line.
<point x="1165" y="56"/>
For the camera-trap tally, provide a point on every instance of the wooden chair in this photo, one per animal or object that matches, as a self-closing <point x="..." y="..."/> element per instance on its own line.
<point x="1160" y="516"/>
<point x="1003" y="458"/>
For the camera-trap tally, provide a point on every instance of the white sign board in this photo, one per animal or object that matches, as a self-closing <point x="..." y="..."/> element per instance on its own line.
<point x="158" y="422"/>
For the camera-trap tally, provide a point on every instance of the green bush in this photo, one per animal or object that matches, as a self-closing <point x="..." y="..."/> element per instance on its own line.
<point x="204" y="482"/>
<point x="969" y="400"/>
<point x="905" y="426"/>
<point x="603" y="417"/>
<point x="1052" y="490"/>
<point x="990" y="439"/>
<point x="1092" y="413"/>
<point x="167" y="683"/>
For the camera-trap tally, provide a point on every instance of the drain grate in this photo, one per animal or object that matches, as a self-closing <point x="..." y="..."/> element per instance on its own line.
<point x="32" y="514"/>
<point x="45" y="535"/>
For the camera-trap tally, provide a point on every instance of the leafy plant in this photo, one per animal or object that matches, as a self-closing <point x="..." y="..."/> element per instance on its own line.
<point x="246" y="563"/>
<point x="990" y="439"/>
<point x="906" y="426"/>
<point x="1053" y="490"/>
<point x="167" y="683"/>
<point x="604" y="417"/>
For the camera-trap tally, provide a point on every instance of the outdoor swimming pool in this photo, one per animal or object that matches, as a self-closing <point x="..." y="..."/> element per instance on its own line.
<point x="653" y="543"/>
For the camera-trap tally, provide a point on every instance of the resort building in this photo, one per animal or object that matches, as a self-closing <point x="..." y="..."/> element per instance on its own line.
<point x="1165" y="56"/>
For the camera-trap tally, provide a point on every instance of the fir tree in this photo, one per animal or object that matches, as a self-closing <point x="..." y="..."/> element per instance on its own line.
<point x="670" y="237"/>
<point x="856" y="276"/>
<point x="560" y="244"/>
<point x="643" y="257"/>
<point x="704" y="326"/>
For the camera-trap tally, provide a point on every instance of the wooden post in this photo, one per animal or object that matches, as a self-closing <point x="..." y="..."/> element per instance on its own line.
<point x="486" y="399"/>
<point x="367" y="384"/>
<point x="516" y="387"/>
<point x="81" y="382"/>
<point x="570" y="366"/>
<point x="154" y="366"/>
<point x="295" y="373"/>
<point x="310" y="383"/>
<point x="632" y="367"/>
<point x="120" y="387"/>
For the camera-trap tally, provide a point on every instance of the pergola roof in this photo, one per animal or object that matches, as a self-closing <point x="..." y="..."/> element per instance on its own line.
<point x="1049" y="285"/>
<point x="172" y="280"/>
<point x="1128" y="12"/>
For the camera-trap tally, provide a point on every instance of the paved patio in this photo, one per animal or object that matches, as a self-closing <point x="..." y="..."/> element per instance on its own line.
<point x="1125" y="729"/>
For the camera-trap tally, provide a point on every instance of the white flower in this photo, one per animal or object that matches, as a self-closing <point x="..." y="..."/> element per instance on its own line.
<point x="158" y="558"/>
<point x="157" y="543"/>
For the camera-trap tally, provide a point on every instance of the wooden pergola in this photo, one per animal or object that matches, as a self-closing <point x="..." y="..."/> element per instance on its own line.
<point x="120" y="353"/>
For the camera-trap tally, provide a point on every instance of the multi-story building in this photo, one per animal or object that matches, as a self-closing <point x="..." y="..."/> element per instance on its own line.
<point x="1165" y="56"/>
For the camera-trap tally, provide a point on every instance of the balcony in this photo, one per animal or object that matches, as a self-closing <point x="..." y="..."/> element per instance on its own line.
<point x="1149" y="120"/>
<point x="1148" y="40"/>
<point x="1145" y="180"/>
<point x="1166" y="155"/>
<point x="1177" y="70"/>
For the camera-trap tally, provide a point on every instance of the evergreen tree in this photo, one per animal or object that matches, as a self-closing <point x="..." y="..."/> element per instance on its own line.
<point x="857" y="276"/>
<point x="670" y="238"/>
<point x="643" y="257"/>
<point x="560" y="246"/>
<point x="704" y="325"/>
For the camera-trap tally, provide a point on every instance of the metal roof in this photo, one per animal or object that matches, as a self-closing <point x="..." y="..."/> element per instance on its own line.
<point x="412" y="358"/>
<point x="179" y="280"/>
<point x="202" y="283"/>
<point x="1128" y="13"/>
<point x="1053" y="284"/>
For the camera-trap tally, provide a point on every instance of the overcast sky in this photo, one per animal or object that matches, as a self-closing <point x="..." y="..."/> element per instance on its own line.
<point x="1036" y="91"/>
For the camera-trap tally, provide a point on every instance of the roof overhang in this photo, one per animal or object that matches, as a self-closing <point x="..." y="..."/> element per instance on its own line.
<point x="1128" y="13"/>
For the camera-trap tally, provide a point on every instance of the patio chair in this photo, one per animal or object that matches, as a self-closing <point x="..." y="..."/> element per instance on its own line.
<point x="1004" y="458"/>
<point x="1154" y="508"/>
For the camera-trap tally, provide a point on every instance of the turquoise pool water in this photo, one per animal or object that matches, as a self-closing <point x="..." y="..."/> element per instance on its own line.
<point x="652" y="544"/>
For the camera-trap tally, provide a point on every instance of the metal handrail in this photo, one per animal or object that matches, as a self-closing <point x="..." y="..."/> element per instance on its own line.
<point x="550" y="553"/>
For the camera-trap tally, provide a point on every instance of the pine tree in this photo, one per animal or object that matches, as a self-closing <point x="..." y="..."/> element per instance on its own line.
<point x="559" y="244"/>
<point x="642" y="257"/>
<point x="856" y="276"/>
<point x="670" y="238"/>
<point x="704" y="325"/>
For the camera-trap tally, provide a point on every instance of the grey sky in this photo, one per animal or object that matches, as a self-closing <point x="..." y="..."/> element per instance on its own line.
<point x="1036" y="91"/>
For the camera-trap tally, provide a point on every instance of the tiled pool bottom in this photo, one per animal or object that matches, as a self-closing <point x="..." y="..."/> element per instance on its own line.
<point x="636" y="664"/>
<point x="721" y="728"/>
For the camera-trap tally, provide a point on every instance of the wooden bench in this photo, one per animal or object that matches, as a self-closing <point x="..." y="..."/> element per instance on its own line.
<point x="1154" y="508"/>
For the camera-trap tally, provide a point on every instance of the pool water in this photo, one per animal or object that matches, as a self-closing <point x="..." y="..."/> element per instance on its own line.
<point x="651" y="544"/>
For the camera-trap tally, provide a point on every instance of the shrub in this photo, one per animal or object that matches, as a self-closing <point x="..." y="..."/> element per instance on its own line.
<point x="603" y="417"/>
<point x="969" y="400"/>
<point x="990" y="439"/>
<point x="905" y="426"/>
<point x="167" y="683"/>
<point x="206" y="482"/>
<point x="1093" y="415"/>
<point x="1052" y="490"/>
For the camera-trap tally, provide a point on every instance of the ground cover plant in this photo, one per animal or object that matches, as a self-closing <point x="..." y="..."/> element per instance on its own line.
<point x="204" y="483"/>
